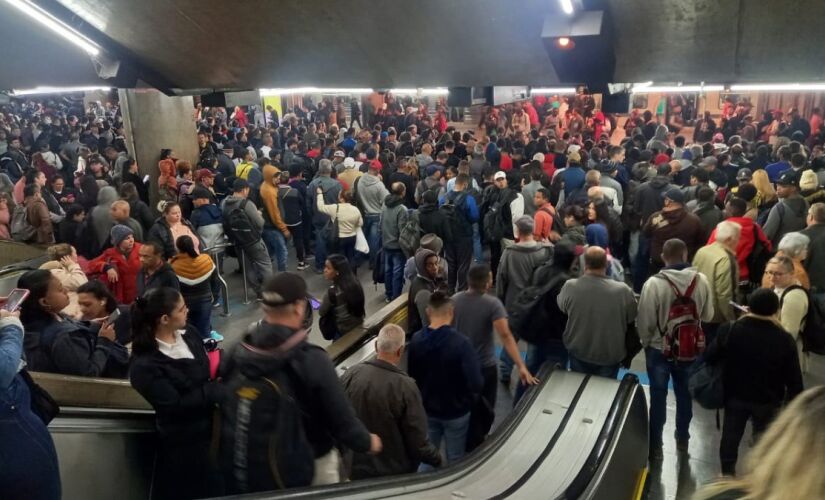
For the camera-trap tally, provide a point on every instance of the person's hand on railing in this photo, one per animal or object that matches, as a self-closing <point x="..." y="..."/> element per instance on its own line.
<point x="526" y="377"/>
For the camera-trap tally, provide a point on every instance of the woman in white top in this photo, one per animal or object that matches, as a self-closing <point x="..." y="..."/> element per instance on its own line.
<point x="793" y="300"/>
<point x="170" y="368"/>
<point x="349" y="221"/>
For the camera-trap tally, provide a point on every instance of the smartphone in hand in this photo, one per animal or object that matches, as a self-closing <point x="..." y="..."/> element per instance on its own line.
<point x="110" y="319"/>
<point x="15" y="299"/>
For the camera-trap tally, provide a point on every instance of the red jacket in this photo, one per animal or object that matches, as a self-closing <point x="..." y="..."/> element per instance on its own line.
<point x="746" y="242"/>
<point x="127" y="267"/>
<point x="549" y="165"/>
<point x="506" y="162"/>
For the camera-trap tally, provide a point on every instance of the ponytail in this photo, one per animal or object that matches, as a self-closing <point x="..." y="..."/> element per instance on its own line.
<point x="146" y="313"/>
<point x="185" y="245"/>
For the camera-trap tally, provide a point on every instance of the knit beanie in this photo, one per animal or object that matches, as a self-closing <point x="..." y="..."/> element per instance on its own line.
<point x="120" y="233"/>
<point x="763" y="302"/>
<point x="808" y="181"/>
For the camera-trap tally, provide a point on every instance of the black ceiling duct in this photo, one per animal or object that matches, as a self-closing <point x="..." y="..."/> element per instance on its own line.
<point x="581" y="48"/>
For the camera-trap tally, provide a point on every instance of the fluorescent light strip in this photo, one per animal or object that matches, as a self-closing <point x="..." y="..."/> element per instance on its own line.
<point x="553" y="90"/>
<point x="676" y="88"/>
<point x="48" y="20"/>
<point x="312" y="90"/>
<point x="55" y="90"/>
<point x="567" y="6"/>
<point x="429" y="91"/>
<point x="777" y="87"/>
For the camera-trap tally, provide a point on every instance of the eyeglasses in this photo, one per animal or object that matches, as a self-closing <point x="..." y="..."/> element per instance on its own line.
<point x="775" y="273"/>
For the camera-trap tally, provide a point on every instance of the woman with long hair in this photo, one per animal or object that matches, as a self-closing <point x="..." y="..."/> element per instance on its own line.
<point x="344" y="299"/>
<point x="194" y="272"/>
<point x="95" y="301"/>
<point x="787" y="460"/>
<point x="62" y="344"/>
<point x="169" y="227"/>
<point x="167" y="180"/>
<point x="765" y="193"/>
<point x="170" y="368"/>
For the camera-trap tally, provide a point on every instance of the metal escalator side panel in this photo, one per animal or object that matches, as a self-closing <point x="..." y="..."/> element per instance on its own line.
<point x="623" y="465"/>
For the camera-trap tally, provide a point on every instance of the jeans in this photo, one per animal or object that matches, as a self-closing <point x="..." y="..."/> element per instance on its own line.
<point x="642" y="263"/>
<point x="660" y="370"/>
<point x="484" y="410"/>
<point x="552" y="351"/>
<point x="478" y="255"/>
<point x="454" y="434"/>
<point x="459" y="255"/>
<point x="257" y="264"/>
<point x="321" y="234"/>
<point x="298" y="235"/>
<point x="346" y="247"/>
<point x="737" y="414"/>
<point x="29" y="459"/>
<point x="394" y="261"/>
<point x="609" y="371"/>
<point x="372" y="231"/>
<point x="200" y="316"/>
<point x="505" y="365"/>
<point x="275" y="242"/>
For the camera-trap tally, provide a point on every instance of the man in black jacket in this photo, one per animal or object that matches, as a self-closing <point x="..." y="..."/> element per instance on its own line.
<point x="760" y="372"/>
<point x="154" y="271"/>
<point x="328" y="416"/>
<point x="388" y="402"/>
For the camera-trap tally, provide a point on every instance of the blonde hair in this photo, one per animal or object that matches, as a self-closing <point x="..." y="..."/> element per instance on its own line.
<point x="787" y="461"/>
<point x="57" y="252"/>
<point x="763" y="186"/>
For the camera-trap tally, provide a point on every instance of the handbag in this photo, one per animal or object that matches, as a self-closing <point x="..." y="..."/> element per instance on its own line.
<point x="361" y="244"/>
<point x="42" y="403"/>
<point x="332" y="227"/>
<point x="706" y="384"/>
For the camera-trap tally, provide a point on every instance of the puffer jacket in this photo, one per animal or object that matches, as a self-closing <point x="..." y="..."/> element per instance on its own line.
<point x="193" y="275"/>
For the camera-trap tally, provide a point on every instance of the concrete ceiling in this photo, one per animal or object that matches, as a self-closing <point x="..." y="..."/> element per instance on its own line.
<point x="718" y="41"/>
<point x="351" y="43"/>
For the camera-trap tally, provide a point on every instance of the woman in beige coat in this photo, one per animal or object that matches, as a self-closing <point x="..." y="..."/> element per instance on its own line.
<point x="63" y="266"/>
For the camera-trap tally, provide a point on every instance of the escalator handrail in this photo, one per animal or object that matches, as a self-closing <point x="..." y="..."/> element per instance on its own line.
<point x="464" y="466"/>
<point x="621" y="402"/>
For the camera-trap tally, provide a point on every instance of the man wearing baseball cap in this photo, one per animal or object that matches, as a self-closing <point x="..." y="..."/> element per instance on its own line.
<point x="268" y="347"/>
<point x="338" y="162"/>
<point x="205" y="178"/>
<point x="672" y="221"/>
<point x="791" y="213"/>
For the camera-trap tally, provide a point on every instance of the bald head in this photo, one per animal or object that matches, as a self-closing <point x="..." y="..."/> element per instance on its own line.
<point x="120" y="210"/>
<point x="595" y="260"/>
<point x="398" y="188"/>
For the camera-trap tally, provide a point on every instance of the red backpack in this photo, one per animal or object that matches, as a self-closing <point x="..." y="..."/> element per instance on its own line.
<point x="682" y="337"/>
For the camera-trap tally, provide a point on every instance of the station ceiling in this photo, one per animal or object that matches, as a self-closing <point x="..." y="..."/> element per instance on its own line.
<point x="245" y="44"/>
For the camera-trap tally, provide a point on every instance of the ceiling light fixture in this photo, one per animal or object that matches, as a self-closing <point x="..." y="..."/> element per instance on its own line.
<point x="48" y="20"/>
<point x="55" y="90"/>
<point x="553" y="90"/>
<point x="670" y="89"/>
<point x="777" y="87"/>
<point x="312" y="90"/>
<point x="422" y="91"/>
<point x="567" y="6"/>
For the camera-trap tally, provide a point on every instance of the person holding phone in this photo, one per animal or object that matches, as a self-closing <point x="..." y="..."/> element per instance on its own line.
<point x="170" y="368"/>
<point x="30" y="470"/>
<point x="96" y="302"/>
<point x="57" y="343"/>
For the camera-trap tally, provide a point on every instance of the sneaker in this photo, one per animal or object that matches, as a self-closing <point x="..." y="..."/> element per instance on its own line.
<point x="682" y="444"/>
<point x="218" y="303"/>
<point x="215" y="335"/>
<point x="301" y="266"/>
<point x="387" y="300"/>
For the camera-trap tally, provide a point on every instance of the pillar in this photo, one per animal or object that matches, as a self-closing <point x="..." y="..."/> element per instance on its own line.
<point x="153" y="121"/>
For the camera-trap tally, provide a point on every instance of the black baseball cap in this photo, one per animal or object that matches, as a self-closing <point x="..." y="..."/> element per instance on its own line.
<point x="283" y="288"/>
<point x="788" y="178"/>
<point x="239" y="185"/>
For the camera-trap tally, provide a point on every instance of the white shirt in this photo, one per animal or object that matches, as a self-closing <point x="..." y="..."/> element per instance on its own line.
<point x="176" y="350"/>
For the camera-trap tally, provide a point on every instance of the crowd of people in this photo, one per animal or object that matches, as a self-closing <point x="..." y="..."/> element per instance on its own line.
<point x="532" y="227"/>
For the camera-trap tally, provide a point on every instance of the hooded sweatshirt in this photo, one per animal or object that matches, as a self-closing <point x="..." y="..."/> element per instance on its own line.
<point x="392" y="217"/>
<point x="518" y="263"/>
<point x="649" y="197"/>
<point x="787" y="216"/>
<point x="417" y="301"/>
<point x="657" y="296"/>
<point x="101" y="215"/>
<point x="659" y="141"/>
<point x="446" y="369"/>
<point x="371" y="194"/>
<point x="269" y="198"/>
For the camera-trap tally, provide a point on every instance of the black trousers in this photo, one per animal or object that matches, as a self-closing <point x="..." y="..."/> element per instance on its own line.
<point x="484" y="411"/>
<point x="459" y="255"/>
<point x="299" y="241"/>
<point x="737" y="414"/>
<point x="495" y="257"/>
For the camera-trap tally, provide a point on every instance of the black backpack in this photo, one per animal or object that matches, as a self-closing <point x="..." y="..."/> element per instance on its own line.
<point x="530" y="316"/>
<point x="496" y="226"/>
<point x="263" y="445"/>
<point x="453" y="219"/>
<point x="237" y="225"/>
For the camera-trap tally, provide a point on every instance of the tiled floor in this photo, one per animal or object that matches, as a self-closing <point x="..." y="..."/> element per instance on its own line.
<point x="676" y="477"/>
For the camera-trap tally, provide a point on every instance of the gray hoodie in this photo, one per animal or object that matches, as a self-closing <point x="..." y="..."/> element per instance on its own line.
<point x="101" y="216"/>
<point x="392" y="217"/>
<point x="254" y="216"/>
<point x="787" y="216"/>
<point x="657" y="296"/>
<point x="518" y="263"/>
<point x="659" y="140"/>
<point x="371" y="194"/>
